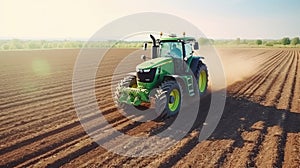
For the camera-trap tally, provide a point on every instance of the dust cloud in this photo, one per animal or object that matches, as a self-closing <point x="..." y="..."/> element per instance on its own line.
<point x="227" y="66"/>
<point x="237" y="68"/>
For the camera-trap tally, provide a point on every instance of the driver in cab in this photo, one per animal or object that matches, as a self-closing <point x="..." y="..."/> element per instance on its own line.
<point x="175" y="52"/>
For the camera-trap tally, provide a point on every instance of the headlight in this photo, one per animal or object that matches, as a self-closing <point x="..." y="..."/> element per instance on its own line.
<point x="142" y="70"/>
<point x="147" y="70"/>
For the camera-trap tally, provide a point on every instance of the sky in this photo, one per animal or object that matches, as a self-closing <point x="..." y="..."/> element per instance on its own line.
<point x="217" y="19"/>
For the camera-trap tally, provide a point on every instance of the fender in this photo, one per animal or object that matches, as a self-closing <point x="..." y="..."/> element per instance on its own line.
<point x="176" y="77"/>
<point x="184" y="82"/>
<point x="194" y="63"/>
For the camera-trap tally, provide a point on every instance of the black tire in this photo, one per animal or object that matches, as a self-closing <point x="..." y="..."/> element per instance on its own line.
<point x="200" y="72"/>
<point x="163" y="99"/>
<point x="129" y="81"/>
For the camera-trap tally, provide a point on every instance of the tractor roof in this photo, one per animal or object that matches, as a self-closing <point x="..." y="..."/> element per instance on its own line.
<point x="185" y="39"/>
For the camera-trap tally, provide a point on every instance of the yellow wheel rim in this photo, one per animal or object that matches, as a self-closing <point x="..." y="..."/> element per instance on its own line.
<point x="176" y="100"/>
<point x="134" y="85"/>
<point x="202" y="81"/>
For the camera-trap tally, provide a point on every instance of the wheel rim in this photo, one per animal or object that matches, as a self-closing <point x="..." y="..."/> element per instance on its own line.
<point x="174" y="105"/>
<point x="202" y="81"/>
<point x="134" y="85"/>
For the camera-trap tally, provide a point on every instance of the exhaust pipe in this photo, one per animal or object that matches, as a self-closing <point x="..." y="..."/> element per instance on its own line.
<point x="153" y="39"/>
<point x="154" y="47"/>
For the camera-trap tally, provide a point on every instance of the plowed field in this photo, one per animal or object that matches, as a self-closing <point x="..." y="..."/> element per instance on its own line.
<point x="260" y="126"/>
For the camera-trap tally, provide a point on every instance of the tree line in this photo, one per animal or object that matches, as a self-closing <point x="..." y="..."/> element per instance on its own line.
<point x="17" y="44"/>
<point x="285" y="41"/>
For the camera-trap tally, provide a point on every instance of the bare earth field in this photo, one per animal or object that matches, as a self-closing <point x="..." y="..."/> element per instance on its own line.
<point x="260" y="126"/>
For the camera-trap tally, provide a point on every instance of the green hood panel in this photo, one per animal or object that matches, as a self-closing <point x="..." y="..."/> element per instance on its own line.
<point x="154" y="63"/>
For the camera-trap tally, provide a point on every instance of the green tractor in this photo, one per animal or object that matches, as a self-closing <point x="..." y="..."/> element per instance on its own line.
<point x="163" y="81"/>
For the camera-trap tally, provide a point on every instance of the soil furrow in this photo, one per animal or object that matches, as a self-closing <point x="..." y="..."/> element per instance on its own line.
<point x="269" y="63"/>
<point x="262" y="77"/>
<point x="284" y="99"/>
<point x="77" y="133"/>
<point x="295" y="102"/>
<point x="260" y="94"/>
<point x="274" y="93"/>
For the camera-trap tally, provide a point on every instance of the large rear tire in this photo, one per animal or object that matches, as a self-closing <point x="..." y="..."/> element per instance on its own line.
<point x="202" y="78"/>
<point x="168" y="99"/>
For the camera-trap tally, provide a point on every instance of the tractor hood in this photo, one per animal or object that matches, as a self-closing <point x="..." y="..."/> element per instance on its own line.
<point x="154" y="63"/>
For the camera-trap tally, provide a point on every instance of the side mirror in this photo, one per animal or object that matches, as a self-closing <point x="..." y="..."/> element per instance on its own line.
<point x="196" y="46"/>
<point x="145" y="46"/>
<point x="143" y="57"/>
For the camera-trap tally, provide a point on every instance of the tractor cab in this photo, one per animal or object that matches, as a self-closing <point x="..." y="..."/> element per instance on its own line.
<point x="180" y="48"/>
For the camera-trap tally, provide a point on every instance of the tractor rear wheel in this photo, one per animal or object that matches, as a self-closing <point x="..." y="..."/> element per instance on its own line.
<point x="202" y="78"/>
<point x="168" y="99"/>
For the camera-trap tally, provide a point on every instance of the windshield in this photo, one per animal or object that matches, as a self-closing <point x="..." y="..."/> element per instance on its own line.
<point x="171" y="49"/>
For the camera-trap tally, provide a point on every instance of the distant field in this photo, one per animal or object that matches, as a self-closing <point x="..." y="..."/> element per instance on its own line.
<point x="260" y="126"/>
<point x="17" y="44"/>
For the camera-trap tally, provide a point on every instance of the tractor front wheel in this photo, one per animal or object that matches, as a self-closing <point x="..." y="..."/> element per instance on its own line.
<point x="168" y="99"/>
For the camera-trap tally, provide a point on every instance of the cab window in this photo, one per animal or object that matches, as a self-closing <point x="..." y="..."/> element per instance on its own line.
<point x="171" y="49"/>
<point x="188" y="49"/>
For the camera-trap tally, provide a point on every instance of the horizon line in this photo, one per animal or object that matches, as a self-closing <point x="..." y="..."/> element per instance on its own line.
<point x="86" y="40"/>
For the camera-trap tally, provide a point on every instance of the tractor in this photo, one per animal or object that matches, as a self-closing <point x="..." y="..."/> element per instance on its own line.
<point x="163" y="81"/>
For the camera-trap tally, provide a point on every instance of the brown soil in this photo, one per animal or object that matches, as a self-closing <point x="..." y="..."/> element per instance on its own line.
<point x="260" y="126"/>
